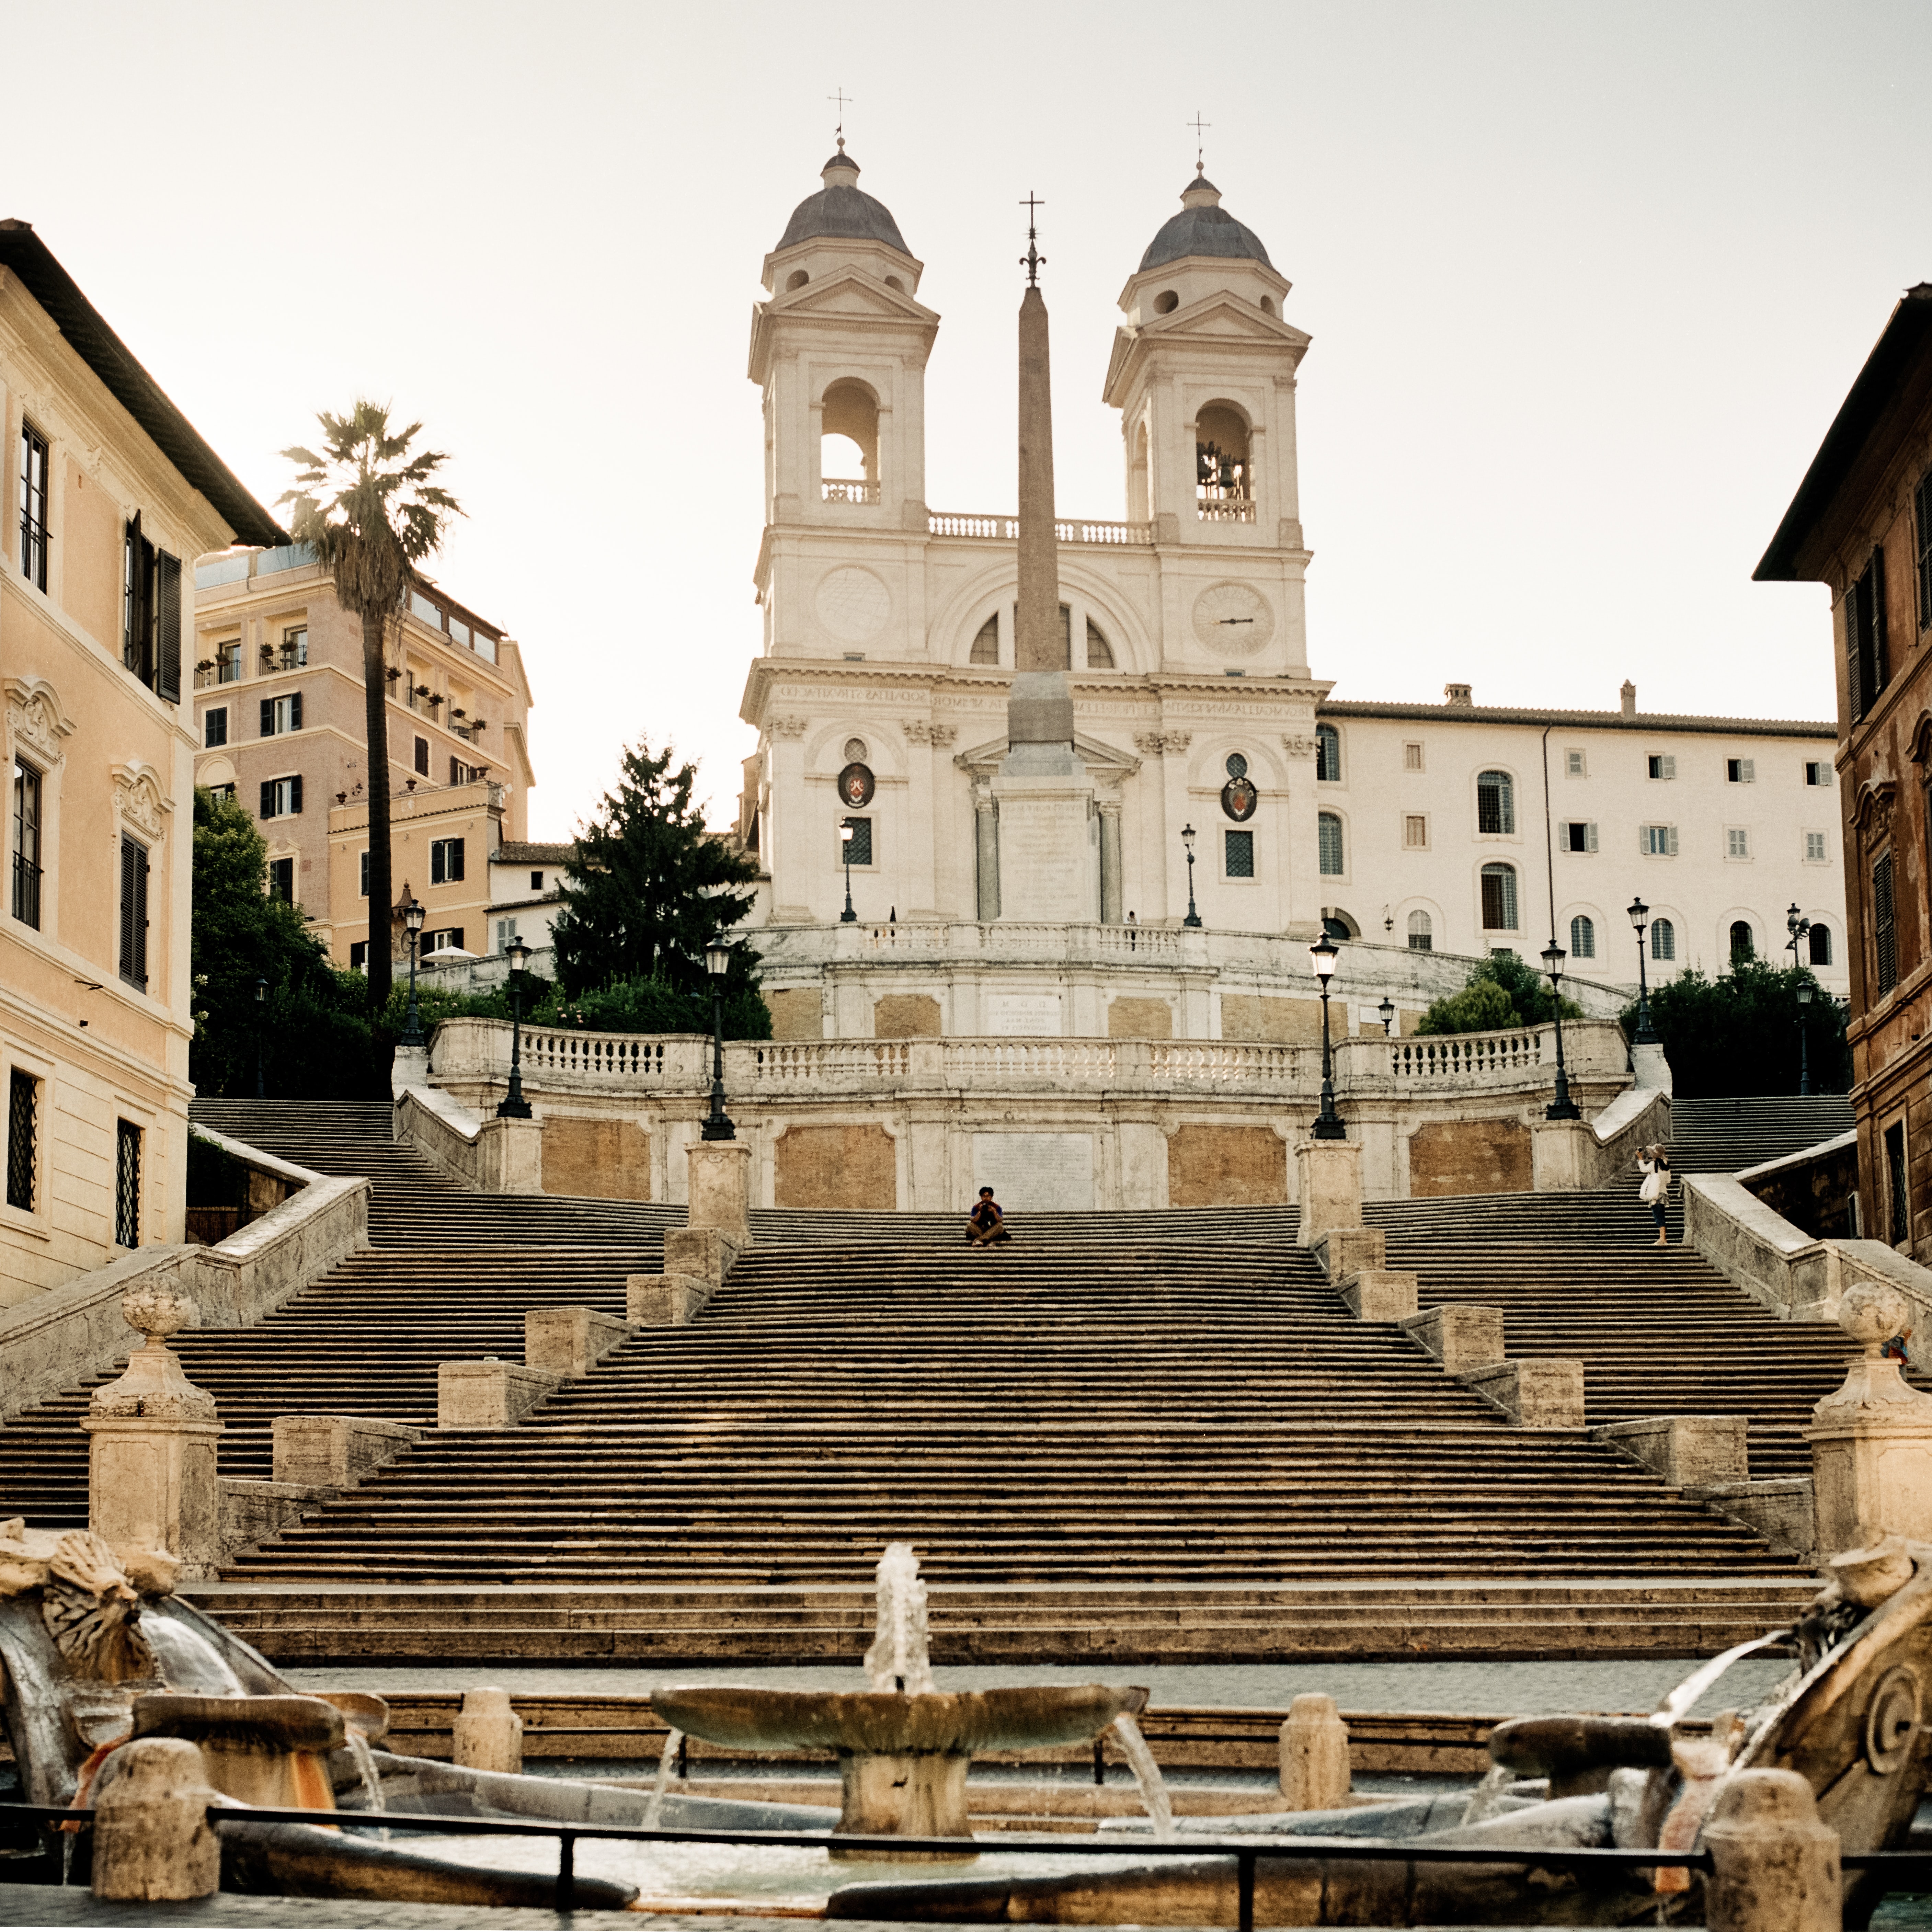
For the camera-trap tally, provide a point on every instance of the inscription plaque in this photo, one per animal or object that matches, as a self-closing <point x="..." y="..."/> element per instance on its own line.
<point x="1035" y="1170"/>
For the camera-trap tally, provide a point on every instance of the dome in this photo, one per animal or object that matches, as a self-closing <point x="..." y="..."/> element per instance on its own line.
<point x="1202" y="227"/>
<point x="841" y="208"/>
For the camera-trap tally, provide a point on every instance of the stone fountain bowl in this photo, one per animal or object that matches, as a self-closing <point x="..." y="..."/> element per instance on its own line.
<point x="949" y="1723"/>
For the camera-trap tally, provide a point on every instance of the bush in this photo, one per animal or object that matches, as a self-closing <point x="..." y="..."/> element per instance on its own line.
<point x="1505" y="991"/>
<point x="631" y="1005"/>
<point x="1738" y="1034"/>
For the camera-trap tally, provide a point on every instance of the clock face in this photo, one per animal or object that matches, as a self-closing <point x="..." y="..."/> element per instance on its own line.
<point x="1233" y="620"/>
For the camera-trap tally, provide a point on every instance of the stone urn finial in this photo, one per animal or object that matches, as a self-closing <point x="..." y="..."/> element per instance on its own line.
<point x="154" y="1383"/>
<point x="1871" y="1313"/>
<point x="155" y="1310"/>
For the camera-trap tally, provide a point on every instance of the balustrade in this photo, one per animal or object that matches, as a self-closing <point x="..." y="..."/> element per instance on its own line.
<point x="815" y="1062"/>
<point x="1007" y="529"/>
<point x="849" y="490"/>
<point x="1464" y="1056"/>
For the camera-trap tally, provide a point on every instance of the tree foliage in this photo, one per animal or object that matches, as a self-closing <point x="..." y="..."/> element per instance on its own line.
<point x="650" y="887"/>
<point x="368" y="508"/>
<point x="1738" y="1034"/>
<point x="1504" y="990"/>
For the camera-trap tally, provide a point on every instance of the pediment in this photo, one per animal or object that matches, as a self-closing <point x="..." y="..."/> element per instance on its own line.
<point x="849" y="291"/>
<point x="1108" y="762"/>
<point x="1221" y="320"/>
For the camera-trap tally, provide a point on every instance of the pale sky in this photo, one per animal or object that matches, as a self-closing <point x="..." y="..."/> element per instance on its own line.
<point x="1586" y="283"/>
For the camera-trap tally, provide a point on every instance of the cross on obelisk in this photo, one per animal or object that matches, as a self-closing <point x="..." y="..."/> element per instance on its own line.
<point x="1031" y="260"/>
<point x="844" y="101"/>
<point x="1200" y="147"/>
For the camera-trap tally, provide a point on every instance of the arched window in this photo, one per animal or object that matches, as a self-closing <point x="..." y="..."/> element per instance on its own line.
<point x="1498" y="899"/>
<point x="1328" y="828"/>
<point x="1821" y="945"/>
<point x="1663" y="939"/>
<point x="1582" y="937"/>
<point x="1742" y="947"/>
<point x="848" y="457"/>
<point x="986" y="645"/>
<point x="1496" y="803"/>
<point x="1421" y="933"/>
<point x="1099" y="652"/>
<point x="1221" y="463"/>
<point x="1328" y="754"/>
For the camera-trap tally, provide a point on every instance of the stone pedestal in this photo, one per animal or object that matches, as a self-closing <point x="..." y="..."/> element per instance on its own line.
<point x="1459" y="1334"/>
<point x="1049" y="869"/>
<point x="509" y="1155"/>
<point x="1774" y="1861"/>
<point x="1381" y="1295"/>
<point x="912" y="1797"/>
<point x="152" y="1836"/>
<point x="487" y="1394"/>
<point x="335" y="1452"/>
<point x="1328" y="1178"/>
<point x="1543" y="1392"/>
<point x="719" y="1174"/>
<point x="409" y="1068"/>
<point x="151" y="1483"/>
<point x="488" y="1734"/>
<point x="664" y="1301"/>
<point x="1345" y="1251"/>
<point x="1686" y="1450"/>
<point x="569" y="1342"/>
<point x="1315" y="1772"/>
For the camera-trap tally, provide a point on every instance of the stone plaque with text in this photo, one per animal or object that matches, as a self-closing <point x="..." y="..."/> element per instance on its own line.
<point x="1035" y="1170"/>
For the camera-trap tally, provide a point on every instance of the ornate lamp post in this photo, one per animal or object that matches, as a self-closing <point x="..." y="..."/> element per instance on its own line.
<point x="1387" y="1010"/>
<point x="1804" y="1054"/>
<point x="717" y="964"/>
<point x="261" y="1026"/>
<point x="848" y="916"/>
<point x="1646" y="1034"/>
<point x="1798" y="925"/>
<point x="1562" y="1108"/>
<point x="1193" y="918"/>
<point x="1328" y="1124"/>
<point x="413" y="914"/>
<point x="513" y="1106"/>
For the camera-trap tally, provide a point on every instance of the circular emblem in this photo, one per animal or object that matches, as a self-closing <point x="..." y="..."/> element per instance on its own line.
<point x="1891" y="1720"/>
<point x="853" y="604"/>
<point x="1239" y="798"/>
<point x="1233" y="620"/>
<point x="855" y="785"/>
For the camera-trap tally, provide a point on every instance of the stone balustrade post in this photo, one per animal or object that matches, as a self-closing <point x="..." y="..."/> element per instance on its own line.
<point x="720" y="1178"/>
<point x="1871" y="1439"/>
<point x="1328" y="1175"/>
<point x="152" y="1836"/>
<point x="488" y="1734"/>
<point x="1775" y="1862"/>
<point x="1315" y="1768"/>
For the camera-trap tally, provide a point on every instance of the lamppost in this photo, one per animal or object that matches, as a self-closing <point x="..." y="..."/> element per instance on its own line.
<point x="1562" y="1108"/>
<point x="513" y="1106"/>
<point x="1646" y="1034"/>
<point x="1798" y="925"/>
<point x="1804" y="1056"/>
<point x="414" y="912"/>
<point x="1328" y="1124"/>
<point x="848" y="916"/>
<point x="1386" y="1009"/>
<point x="261" y="1027"/>
<point x="1193" y="918"/>
<point x="717" y="964"/>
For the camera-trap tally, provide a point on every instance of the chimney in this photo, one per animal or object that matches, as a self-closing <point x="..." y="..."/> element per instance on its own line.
<point x="1459" y="694"/>
<point x="1628" y="695"/>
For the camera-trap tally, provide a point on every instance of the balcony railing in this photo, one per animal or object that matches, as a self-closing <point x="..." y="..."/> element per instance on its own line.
<point x="1226" y="509"/>
<point x="1007" y="529"/>
<point x="849" y="490"/>
<point x="26" y="891"/>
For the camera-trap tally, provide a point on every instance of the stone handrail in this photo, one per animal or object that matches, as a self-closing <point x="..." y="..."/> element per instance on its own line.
<point x="1590" y="1153"/>
<point x="486" y="1154"/>
<point x="1007" y="529"/>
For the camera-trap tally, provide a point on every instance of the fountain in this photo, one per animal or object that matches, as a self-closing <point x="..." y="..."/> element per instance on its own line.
<point x="903" y="1746"/>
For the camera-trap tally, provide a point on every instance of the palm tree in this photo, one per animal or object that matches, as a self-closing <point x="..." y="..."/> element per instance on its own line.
<point x="368" y="509"/>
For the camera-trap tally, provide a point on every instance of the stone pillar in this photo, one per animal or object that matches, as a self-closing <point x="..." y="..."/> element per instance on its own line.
<point x="409" y="1067"/>
<point x="1871" y="1439"/>
<point x="1315" y="1772"/>
<point x="488" y="1734"/>
<point x="151" y="1476"/>
<point x="509" y="1155"/>
<point x="1775" y="1862"/>
<point x="152" y="1836"/>
<point x="1328" y="1175"/>
<point x="1111" y="913"/>
<point x="720" y="1177"/>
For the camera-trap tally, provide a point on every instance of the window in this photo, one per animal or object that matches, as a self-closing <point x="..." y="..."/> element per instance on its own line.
<point x="227" y="791"/>
<point x="23" y="1139"/>
<point x="1815" y="854"/>
<point x="444" y="935"/>
<point x="1421" y="933"/>
<point x="422" y="757"/>
<point x="1737" y="841"/>
<point x="281" y="714"/>
<point x="1580" y="835"/>
<point x="1573" y="764"/>
<point x="1662" y="765"/>
<point x="506" y="931"/>
<point x="1898" y="1202"/>
<point x="1498" y="899"/>
<point x="228" y="661"/>
<point x="282" y="879"/>
<point x="986" y="643"/>
<point x="362" y="873"/>
<point x="1495" y="804"/>
<point x="1885" y="932"/>
<point x="1239" y="854"/>
<point x="536" y="882"/>
<point x="214" y="727"/>
<point x="445" y="861"/>
<point x="295" y="647"/>
<point x="1415" y="831"/>
<point x="1820" y="936"/>
<point x="1328" y="837"/>
<point x="34" y="537"/>
<point x="1921" y="511"/>
<point x="151" y="604"/>
<point x="1740" y="771"/>
<point x="26" y="843"/>
<point x="1743" y="946"/>
<point x="1663" y="939"/>
<point x="1817" y="771"/>
<point x="1328" y="754"/>
<point x="462" y="774"/>
<point x="1099" y="652"/>
<point x="133" y="912"/>
<point x="281" y="797"/>
<point x="1411" y="757"/>
<point x="1657" y="842"/>
<point x="358" y="955"/>
<point x="126" y="1184"/>
<point x="1582" y="937"/>
<point x="856" y="850"/>
<point x="1868" y="668"/>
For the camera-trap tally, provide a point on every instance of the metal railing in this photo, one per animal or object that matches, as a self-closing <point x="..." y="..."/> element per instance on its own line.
<point x="26" y="891"/>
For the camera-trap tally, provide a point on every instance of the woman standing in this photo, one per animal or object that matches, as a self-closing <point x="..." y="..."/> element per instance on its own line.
<point x="1653" y="1164"/>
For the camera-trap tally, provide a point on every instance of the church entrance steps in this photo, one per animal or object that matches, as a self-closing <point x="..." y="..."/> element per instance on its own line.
<point x="1720" y="1136"/>
<point x="1131" y="1622"/>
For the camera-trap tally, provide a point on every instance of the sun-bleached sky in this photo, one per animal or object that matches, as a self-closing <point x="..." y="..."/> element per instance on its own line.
<point x="1586" y="282"/>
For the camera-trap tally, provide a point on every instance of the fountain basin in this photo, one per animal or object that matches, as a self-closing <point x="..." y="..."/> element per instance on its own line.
<point x="270" y="1751"/>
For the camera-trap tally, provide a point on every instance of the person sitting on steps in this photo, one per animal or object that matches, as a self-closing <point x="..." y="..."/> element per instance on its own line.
<point x="1653" y="1164"/>
<point x="986" y="1226"/>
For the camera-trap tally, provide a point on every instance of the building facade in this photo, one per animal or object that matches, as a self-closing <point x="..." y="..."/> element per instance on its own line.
<point x="1861" y="524"/>
<point x="279" y="722"/>
<point x="112" y="495"/>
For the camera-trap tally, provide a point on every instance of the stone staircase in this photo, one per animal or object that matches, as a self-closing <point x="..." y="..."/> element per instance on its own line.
<point x="1721" y="1136"/>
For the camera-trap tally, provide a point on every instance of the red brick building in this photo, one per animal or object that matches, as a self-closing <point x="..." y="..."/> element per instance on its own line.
<point x="1861" y="522"/>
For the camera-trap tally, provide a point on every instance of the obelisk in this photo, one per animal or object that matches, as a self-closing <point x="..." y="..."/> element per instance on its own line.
<point x="1046" y="870"/>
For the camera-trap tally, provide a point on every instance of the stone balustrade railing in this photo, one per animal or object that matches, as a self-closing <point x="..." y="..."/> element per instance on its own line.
<point x="1007" y="529"/>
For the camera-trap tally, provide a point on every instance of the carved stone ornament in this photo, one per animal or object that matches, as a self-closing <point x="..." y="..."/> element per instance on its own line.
<point x="154" y="1385"/>
<point x="1919" y="749"/>
<point x="1298" y="747"/>
<point x="786" y="727"/>
<point x="36" y="720"/>
<point x="1233" y="619"/>
<point x="1871" y="1313"/>
<point x="1163" y="744"/>
<point x="1148" y="743"/>
<point x="919" y="732"/>
<point x="142" y="801"/>
<point x="1872" y="814"/>
<point x="856" y="786"/>
<point x="1239" y="798"/>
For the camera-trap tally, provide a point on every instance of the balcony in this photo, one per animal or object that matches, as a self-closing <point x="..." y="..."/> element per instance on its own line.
<point x="848" y="490"/>
<point x="1007" y="529"/>
<point x="1215" y="508"/>
<point x="26" y="891"/>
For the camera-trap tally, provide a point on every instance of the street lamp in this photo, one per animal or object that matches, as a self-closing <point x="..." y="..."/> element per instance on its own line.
<point x="261" y="1027"/>
<point x="1798" y="925"/>
<point x="1646" y="1034"/>
<point x="1328" y="1125"/>
<point x="848" y="916"/>
<point x="1386" y="1009"/>
<point x="717" y="964"/>
<point x="1804" y="1056"/>
<point x="513" y="1106"/>
<point x="414" y="912"/>
<point x="1562" y="1108"/>
<point x="1193" y="918"/>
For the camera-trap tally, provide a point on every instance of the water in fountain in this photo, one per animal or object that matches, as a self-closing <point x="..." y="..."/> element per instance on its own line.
<point x="898" y="1659"/>
<point x="1146" y="1775"/>
<point x="672" y="1738"/>
<point x="365" y="1769"/>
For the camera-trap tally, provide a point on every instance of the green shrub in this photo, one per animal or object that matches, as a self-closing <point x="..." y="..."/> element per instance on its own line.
<point x="1505" y="990"/>
<point x="1738" y="1034"/>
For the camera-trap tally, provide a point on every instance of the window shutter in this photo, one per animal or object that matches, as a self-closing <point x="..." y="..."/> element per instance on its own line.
<point x="127" y="857"/>
<point x="268" y="799"/>
<point x="167" y="628"/>
<point x="295" y="802"/>
<point x="455" y="773"/>
<point x="456" y="858"/>
<point x="1643" y="840"/>
<point x="1881" y="652"/>
<point x="268" y="717"/>
<point x="140" y="912"/>
<point x="1855" y="704"/>
<point x="295" y="713"/>
<point x="1673" y="831"/>
<point x="1747" y="770"/>
<point x="1590" y="837"/>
